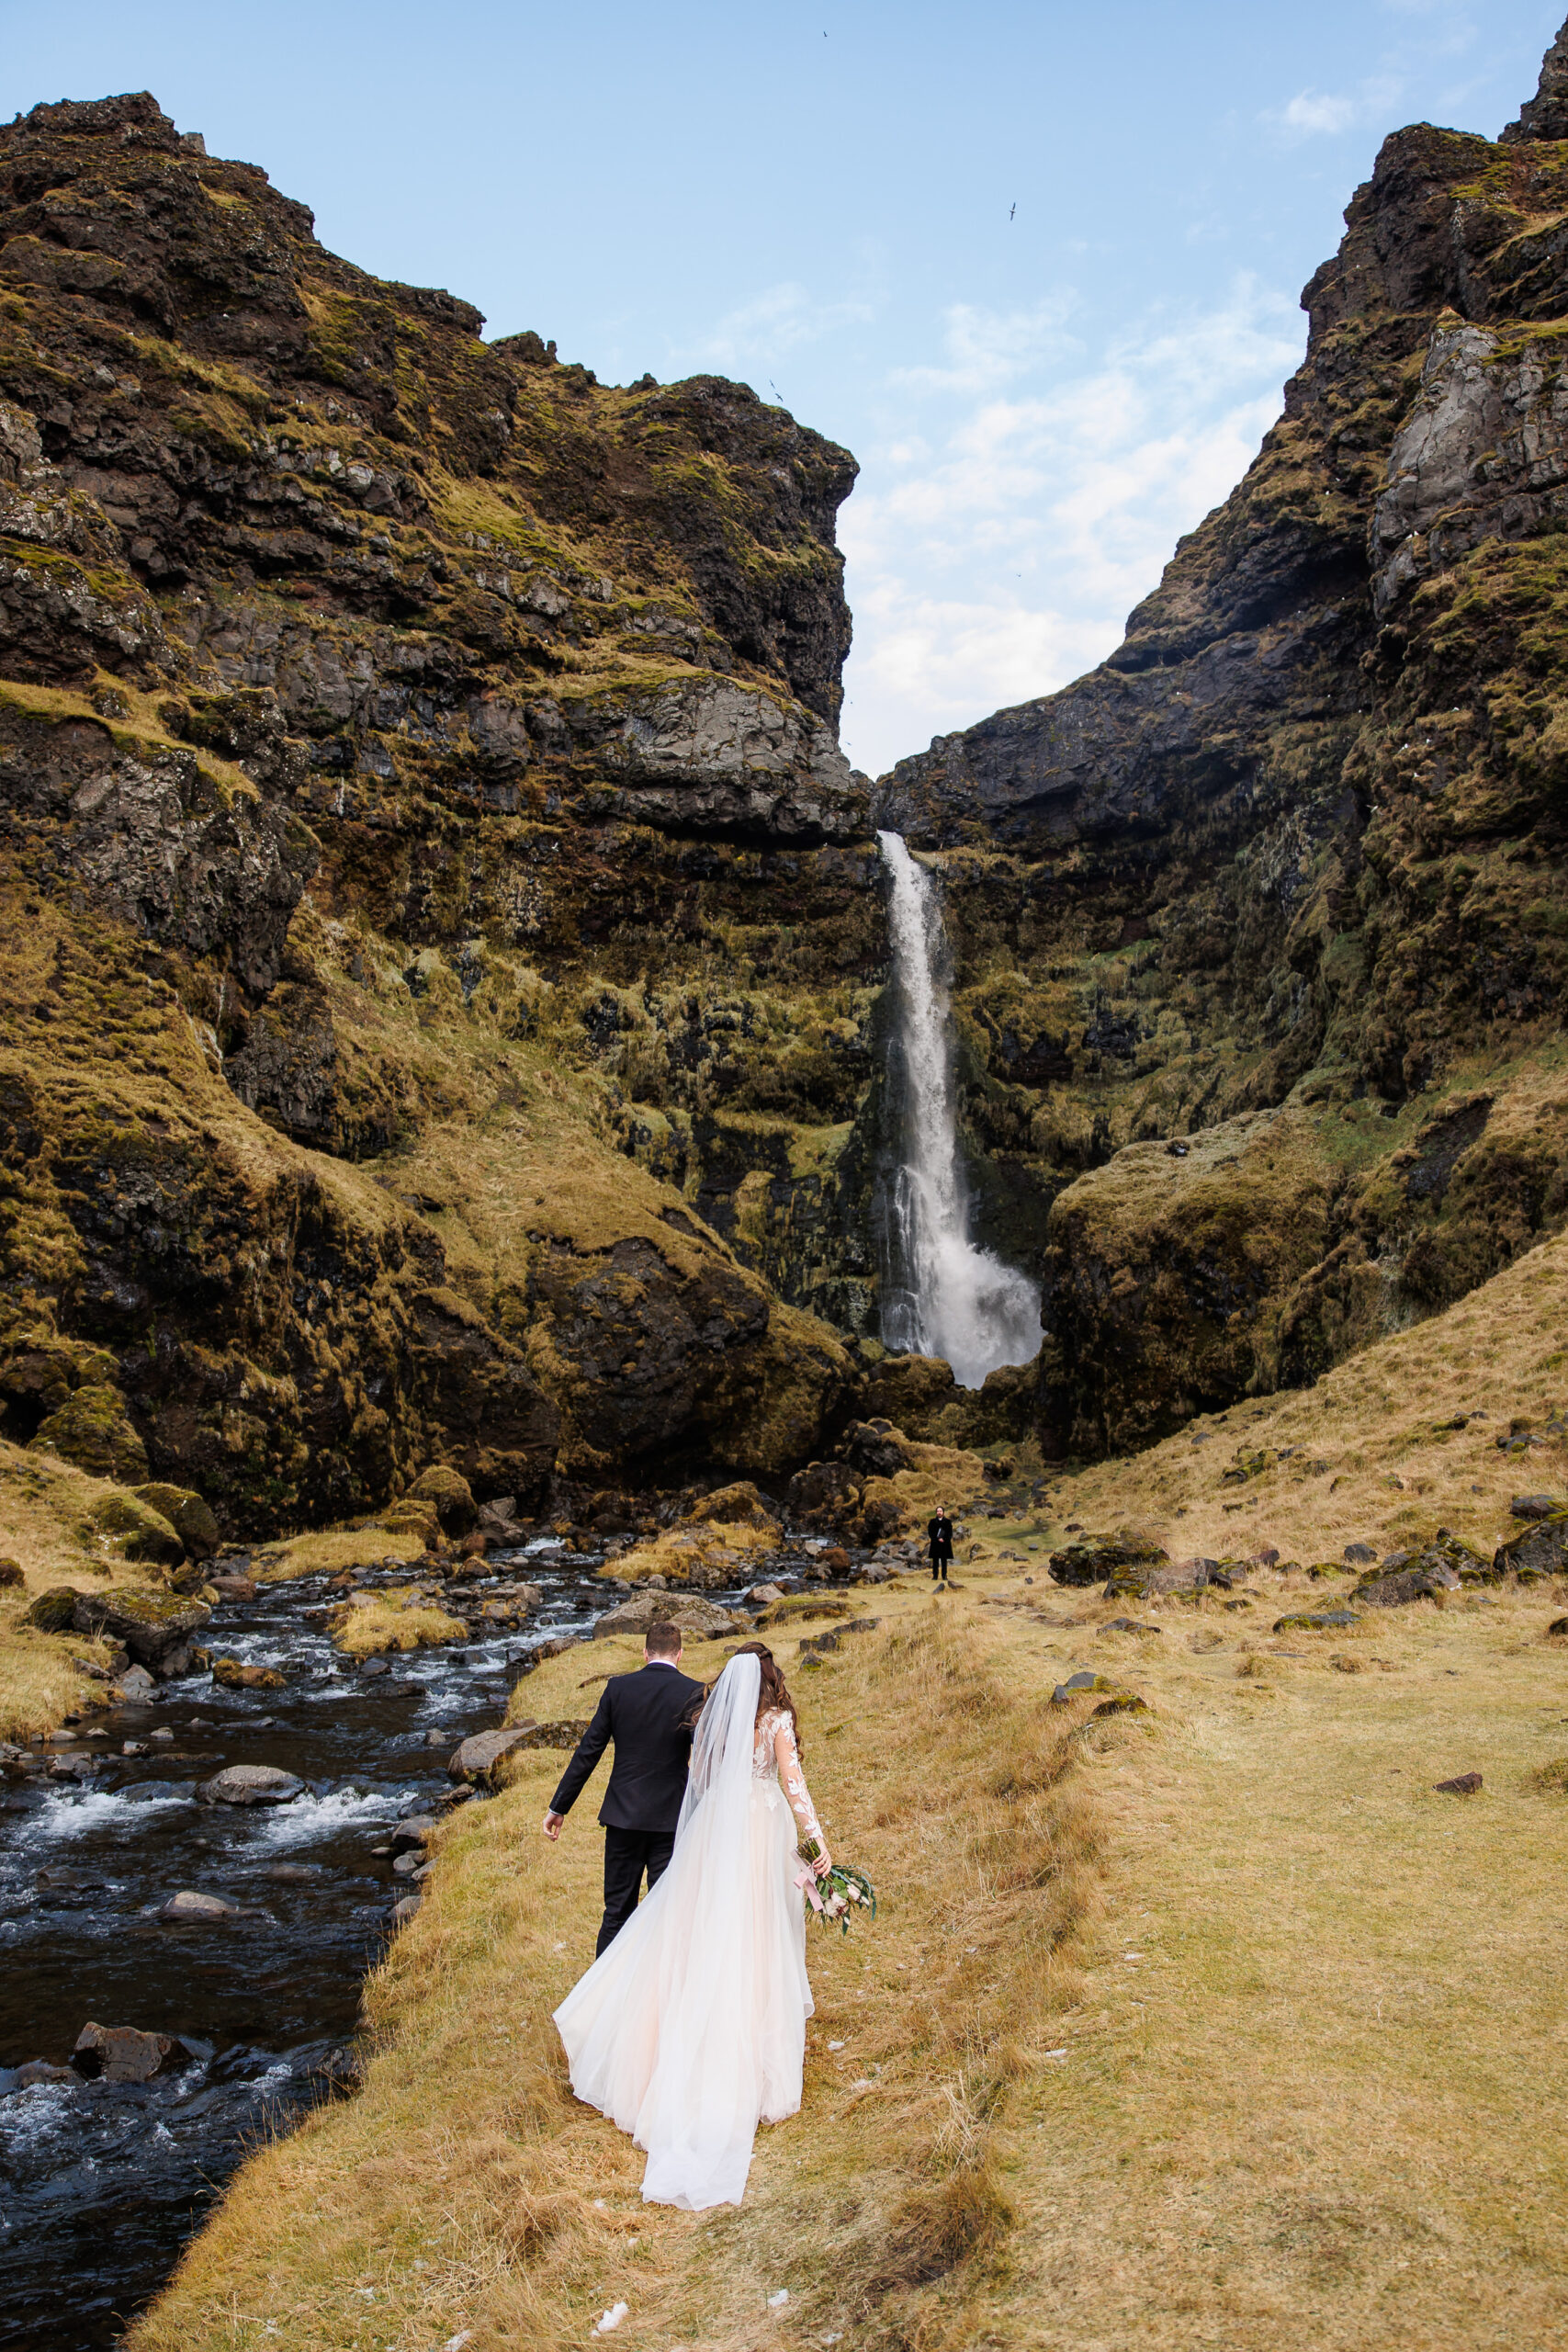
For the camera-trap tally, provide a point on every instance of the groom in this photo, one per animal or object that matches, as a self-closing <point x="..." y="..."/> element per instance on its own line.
<point x="648" y="1716"/>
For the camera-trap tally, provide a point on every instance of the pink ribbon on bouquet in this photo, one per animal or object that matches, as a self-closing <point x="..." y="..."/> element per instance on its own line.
<point x="806" y="1882"/>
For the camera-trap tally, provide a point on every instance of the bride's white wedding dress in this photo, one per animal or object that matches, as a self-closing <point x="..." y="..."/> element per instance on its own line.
<point x="691" y="2027"/>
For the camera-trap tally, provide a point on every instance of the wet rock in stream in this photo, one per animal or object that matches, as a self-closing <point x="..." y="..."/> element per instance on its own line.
<point x="123" y="2054"/>
<point x="252" y="1784"/>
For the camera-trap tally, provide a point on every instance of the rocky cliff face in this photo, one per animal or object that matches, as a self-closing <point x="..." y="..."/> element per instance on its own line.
<point x="1262" y="925"/>
<point x="407" y="745"/>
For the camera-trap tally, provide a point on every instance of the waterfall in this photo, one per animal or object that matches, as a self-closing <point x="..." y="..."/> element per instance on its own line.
<point x="945" y="1298"/>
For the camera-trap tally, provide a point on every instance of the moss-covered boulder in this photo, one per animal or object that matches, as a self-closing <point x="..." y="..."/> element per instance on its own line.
<point x="1142" y="1580"/>
<point x="1167" y="1272"/>
<point x="825" y="1494"/>
<point x="11" y="1574"/>
<point x="450" y="1494"/>
<point x="234" y="1673"/>
<point x="93" y="1429"/>
<point x="54" y="1611"/>
<point x="1541" y="1550"/>
<point x="154" y="1626"/>
<point x="137" y="1529"/>
<point x="1425" y="1581"/>
<point x="741" y="1504"/>
<point x="411" y="1516"/>
<point x="1094" y="1558"/>
<point x="186" y="1513"/>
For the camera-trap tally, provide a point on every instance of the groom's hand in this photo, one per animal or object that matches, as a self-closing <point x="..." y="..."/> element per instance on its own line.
<point x="552" y="1825"/>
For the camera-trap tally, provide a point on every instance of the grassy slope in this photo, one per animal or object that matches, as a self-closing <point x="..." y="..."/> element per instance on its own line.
<point x="1309" y="2109"/>
<point x="44" y="1529"/>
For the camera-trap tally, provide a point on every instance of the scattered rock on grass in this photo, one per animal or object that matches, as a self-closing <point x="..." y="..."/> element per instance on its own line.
<point x="1423" y="1582"/>
<point x="1080" y="1685"/>
<point x="1465" y="1784"/>
<point x="1541" y="1550"/>
<point x="1095" y="1557"/>
<point x="1317" y="1621"/>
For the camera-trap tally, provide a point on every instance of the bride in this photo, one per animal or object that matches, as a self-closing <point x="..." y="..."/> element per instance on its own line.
<point x="690" y="2028"/>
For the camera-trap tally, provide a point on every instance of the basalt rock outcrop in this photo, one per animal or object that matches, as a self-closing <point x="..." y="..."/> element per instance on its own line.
<point x="1260" y="927"/>
<point x="407" y="745"/>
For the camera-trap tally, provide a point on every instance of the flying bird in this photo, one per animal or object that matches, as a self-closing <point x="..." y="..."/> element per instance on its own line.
<point x="1014" y="210"/>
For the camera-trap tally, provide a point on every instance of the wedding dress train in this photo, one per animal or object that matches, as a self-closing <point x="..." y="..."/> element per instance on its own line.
<point x="691" y="2027"/>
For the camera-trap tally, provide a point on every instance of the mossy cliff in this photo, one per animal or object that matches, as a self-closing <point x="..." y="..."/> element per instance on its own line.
<point x="442" y="950"/>
<point x="1284" y="881"/>
<point x="438" y="930"/>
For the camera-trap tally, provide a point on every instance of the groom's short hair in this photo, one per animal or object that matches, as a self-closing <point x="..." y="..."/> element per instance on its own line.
<point x="662" y="1639"/>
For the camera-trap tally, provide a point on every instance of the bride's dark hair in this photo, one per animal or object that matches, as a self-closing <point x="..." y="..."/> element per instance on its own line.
<point x="773" y="1692"/>
<point x="774" y="1696"/>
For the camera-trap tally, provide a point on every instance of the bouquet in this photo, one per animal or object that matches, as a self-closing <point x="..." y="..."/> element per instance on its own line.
<point x="840" y="1891"/>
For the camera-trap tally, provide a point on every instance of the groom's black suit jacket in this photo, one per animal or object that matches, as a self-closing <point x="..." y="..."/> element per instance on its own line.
<point x="648" y="1716"/>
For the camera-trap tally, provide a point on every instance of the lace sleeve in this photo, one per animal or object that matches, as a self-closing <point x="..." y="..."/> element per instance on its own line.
<point x="792" y="1779"/>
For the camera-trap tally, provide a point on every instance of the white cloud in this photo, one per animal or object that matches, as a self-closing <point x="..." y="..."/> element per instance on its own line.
<point x="997" y="554"/>
<point x="779" y="319"/>
<point x="1318" y="114"/>
<point x="984" y="347"/>
<point x="1309" y="112"/>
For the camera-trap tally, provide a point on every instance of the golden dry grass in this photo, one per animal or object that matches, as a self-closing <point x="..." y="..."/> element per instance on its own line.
<point x="391" y="1621"/>
<point x="1308" y="2092"/>
<point x="465" y="2189"/>
<point x="675" y="1551"/>
<point x="335" y="1549"/>
<point x="1216" y="2026"/>
<point x="44" y="1528"/>
<point x="1371" y="1453"/>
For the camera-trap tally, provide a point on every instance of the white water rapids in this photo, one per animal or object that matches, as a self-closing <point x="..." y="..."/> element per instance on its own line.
<point x="946" y="1299"/>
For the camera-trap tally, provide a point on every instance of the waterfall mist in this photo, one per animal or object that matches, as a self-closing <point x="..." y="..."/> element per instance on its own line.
<point x="942" y="1297"/>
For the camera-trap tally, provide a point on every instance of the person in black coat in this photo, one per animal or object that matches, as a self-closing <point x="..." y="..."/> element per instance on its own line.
<point x="649" y="1715"/>
<point x="939" y="1534"/>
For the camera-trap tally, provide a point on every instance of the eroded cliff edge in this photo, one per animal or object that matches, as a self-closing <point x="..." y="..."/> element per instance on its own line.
<point x="437" y="923"/>
<point x="1262" y="925"/>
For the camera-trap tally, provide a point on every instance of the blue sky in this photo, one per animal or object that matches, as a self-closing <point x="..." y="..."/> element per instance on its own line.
<point x="818" y="199"/>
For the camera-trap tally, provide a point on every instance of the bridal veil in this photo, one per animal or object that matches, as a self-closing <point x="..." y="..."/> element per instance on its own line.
<point x="690" y="2026"/>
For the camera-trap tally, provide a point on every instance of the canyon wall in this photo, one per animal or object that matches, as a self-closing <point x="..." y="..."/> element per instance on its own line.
<point x="439" y="933"/>
<point x="1263" y="926"/>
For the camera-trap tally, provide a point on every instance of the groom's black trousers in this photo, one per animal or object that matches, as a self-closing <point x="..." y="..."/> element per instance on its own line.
<point x="627" y="1853"/>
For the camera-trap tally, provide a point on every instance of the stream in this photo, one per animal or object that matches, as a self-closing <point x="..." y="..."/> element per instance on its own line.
<point x="101" y="2184"/>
